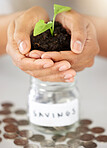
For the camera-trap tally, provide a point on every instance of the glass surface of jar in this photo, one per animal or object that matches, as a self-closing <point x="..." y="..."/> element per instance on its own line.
<point x="53" y="107"/>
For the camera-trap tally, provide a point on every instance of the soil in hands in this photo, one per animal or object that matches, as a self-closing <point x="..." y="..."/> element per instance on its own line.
<point x="60" y="41"/>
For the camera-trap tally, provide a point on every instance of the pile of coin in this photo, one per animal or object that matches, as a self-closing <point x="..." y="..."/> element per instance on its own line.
<point x="83" y="136"/>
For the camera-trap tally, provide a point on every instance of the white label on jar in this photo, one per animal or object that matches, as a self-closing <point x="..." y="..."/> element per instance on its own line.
<point x="54" y="114"/>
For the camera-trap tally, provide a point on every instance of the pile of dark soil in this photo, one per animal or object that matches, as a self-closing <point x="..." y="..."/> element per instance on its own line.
<point x="60" y="41"/>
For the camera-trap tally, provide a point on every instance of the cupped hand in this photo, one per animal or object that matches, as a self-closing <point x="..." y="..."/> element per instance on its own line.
<point x="18" y="47"/>
<point x="84" y="44"/>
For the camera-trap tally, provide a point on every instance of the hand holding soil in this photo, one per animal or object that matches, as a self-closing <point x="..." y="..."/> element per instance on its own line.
<point x="84" y="44"/>
<point x="19" y="44"/>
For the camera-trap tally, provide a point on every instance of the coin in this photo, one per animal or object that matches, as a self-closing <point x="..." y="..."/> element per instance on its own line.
<point x="101" y="138"/>
<point x="74" y="143"/>
<point x="9" y="120"/>
<point x="72" y="135"/>
<point x="85" y="122"/>
<point x="87" y="137"/>
<point x="62" y="128"/>
<point x="5" y="112"/>
<point x="37" y="138"/>
<point x="23" y="122"/>
<point x="82" y="129"/>
<point x="59" y="138"/>
<point x="21" y="141"/>
<point x="11" y="128"/>
<point x="31" y="146"/>
<point x="0" y="139"/>
<point x="61" y="146"/>
<point x="10" y="135"/>
<point x="47" y="144"/>
<point x="20" y="112"/>
<point x="25" y="133"/>
<point x="89" y="145"/>
<point x="97" y="130"/>
<point x="7" y="104"/>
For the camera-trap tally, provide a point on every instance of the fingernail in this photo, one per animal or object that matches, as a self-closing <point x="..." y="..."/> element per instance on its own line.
<point x="63" y="68"/>
<point x="47" y="66"/>
<point x="34" y="55"/>
<point x="77" y="48"/>
<point x="68" y="76"/>
<point x="45" y="56"/>
<point x="22" y="47"/>
<point x="70" y="80"/>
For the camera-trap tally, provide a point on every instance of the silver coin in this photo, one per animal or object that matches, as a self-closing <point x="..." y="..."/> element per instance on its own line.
<point x="23" y="122"/>
<point x="59" y="138"/>
<point x="61" y="146"/>
<point x="37" y="138"/>
<point x="82" y="129"/>
<point x="31" y="146"/>
<point x="74" y="143"/>
<point x="47" y="144"/>
<point x="25" y="133"/>
<point x="72" y="135"/>
<point x="20" y="112"/>
<point x="63" y="128"/>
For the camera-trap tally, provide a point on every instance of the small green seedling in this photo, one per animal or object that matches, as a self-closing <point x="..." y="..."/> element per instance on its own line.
<point x="41" y="26"/>
<point x="58" y="9"/>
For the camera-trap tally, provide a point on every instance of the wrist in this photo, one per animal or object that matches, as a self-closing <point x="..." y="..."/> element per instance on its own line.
<point x="100" y="25"/>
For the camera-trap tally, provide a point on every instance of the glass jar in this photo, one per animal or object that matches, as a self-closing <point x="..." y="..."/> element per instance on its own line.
<point x="53" y="106"/>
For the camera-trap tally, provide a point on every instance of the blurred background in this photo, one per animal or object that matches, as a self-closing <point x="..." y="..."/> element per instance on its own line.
<point x="92" y="7"/>
<point x="92" y="82"/>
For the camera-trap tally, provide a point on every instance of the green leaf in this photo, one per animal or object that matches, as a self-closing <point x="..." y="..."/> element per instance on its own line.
<point x="59" y="9"/>
<point x="41" y="27"/>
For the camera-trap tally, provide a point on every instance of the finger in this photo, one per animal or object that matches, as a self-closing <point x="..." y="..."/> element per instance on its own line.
<point x="59" y="77"/>
<point x="55" y="78"/>
<point x="35" y="54"/>
<point x="77" y="26"/>
<point x="56" y="68"/>
<point x="55" y="56"/>
<point x="59" y="66"/>
<point x="25" y="24"/>
<point x="58" y="56"/>
<point x="27" y="63"/>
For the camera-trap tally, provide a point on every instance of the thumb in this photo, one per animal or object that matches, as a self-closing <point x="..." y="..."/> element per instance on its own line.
<point x="78" y="38"/>
<point x="23" y="42"/>
<point x="77" y="27"/>
<point x="25" y="24"/>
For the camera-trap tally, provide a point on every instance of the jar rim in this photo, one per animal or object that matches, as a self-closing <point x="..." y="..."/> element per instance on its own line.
<point x="55" y="86"/>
